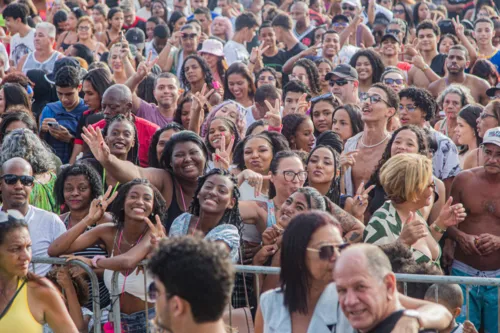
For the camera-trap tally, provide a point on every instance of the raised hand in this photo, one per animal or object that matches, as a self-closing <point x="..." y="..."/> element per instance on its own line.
<point x="145" y="67"/>
<point x="361" y="201"/>
<point x="273" y="116"/>
<point x="450" y="215"/>
<point x="254" y="179"/>
<point x="413" y="229"/>
<point x="96" y="143"/>
<point x="157" y="230"/>
<point x="264" y="253"/>
<point x="99" y="206"/>
<point x="222" y="156"/>
<point x="200" y="99"/>
<point x="302" y="104"/>
<point x="257" y="52"/>
<point x="347" y="160"/>
<point x="271" y="235"/>
<point x="459" y="28"/>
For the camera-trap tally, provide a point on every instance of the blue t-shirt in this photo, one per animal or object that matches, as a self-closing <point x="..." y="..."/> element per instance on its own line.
<point x="495" y="59"/>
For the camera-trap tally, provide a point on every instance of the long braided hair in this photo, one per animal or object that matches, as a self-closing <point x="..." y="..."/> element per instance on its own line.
<point x="231" y="216"/>
<point x="334" y="191"/>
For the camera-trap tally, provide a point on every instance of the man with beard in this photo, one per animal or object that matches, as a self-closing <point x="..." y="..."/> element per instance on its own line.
<point x="478" y="236"/>
<point x="116" y="100"/>
<point x="304" y="29"/>
<point x="166" y="93"/>
<point x="193" y="281"/>
<point x="456" y="63"/>
<point x="16" y="185"/>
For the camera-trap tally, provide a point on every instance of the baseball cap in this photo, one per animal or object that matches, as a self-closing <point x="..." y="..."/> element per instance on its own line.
<point x="492" y="91"/>
<point x="63" y="62"/>
<point x="355" y="3"/>
<point x="344" y="71"/>
<point x="492" y="136"/>
<point x="136" y="37"/>
<point x="388" y="36"/>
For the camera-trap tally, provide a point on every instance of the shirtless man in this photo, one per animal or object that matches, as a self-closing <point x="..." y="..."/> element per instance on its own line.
<point x="456" y="63"/>
<point x="364" y="150"/>
<point x="427" y="39"/>
<point x="478" y="236"/>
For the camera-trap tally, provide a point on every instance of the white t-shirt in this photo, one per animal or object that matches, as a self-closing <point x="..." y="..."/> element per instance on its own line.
<point x="144" y="13"/>
<point x="44" y="228"/>
<point x="19" y="46"/>
<point x="236" y="52"/>
<point x="6" y="55"/>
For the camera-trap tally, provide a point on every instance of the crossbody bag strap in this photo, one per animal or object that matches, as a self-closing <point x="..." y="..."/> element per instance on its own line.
<point x="4" y="312"/>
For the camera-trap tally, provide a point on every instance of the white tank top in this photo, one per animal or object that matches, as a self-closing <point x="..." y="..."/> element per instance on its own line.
<point x="47" y="66"/>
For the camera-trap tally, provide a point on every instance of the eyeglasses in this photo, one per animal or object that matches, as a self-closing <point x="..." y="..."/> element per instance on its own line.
<point x="189" y="36"/>
<point x="393" y="31"/>
<point x="485" y="115"/>
<point x="373" y="99"/>
<point x="10" y="179"/>
<point x="290" y="175"/>
<point x="339" y="25"/>
<point x="344" y="7"/>
<point x="409" y="108"/>
<point x="384" y="1"/>
<point x="84" y="28"/>
<point x="398" y="11"/>
<point x="13" y="214"/>
<point x="268" y="78"/>
<point x="390" y="82"/>
<point x="300" y="77"/>
<point x="327" y="251"/>
<point x="339" y="82"/>
<point x="321" y="97"/>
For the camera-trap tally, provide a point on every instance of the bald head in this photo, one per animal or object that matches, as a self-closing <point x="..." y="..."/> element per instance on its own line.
<point x="368" y="256"/>
<point x="18" y="166"/>
<point x="116" y="100"/>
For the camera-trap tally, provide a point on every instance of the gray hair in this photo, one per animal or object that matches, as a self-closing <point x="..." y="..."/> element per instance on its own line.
<point x="49" y="27"/>
<point x="462" y="91"/>
<point x="25" y="144"/>
<point x="314" y="198"/>
<point x="399" y="22"/>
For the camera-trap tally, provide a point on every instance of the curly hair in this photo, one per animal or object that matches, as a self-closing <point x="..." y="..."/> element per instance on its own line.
<point x="312" y="74"/>
<point x="82" y="169"/>
<point x="241" y="121"/>
<point x="9" y="118"/>
<point x="117" y="207"/>
<point x="291" y="123"/>
<point x="24" y="143"/>
<point x="230" y="126"/>
<point x="207" y="74"/>
<point x="133" y="154"/>
<point x="152" y="158"/>
<point x="375" y="61"/>
<point x="462" y="91"/>
<point x="79" y="283"/>
<point x="422" y="149"/>
<point x="276" y="140"/>
<point x="273" y="73"/>
<point x="422" y="100"/>
<point x="231" y="216"/>
<point x="334" y="191"/>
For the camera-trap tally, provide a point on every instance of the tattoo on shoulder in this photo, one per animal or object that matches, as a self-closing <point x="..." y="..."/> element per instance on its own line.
<point x="347" y="221"/>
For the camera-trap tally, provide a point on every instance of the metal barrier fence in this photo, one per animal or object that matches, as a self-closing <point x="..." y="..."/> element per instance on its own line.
<point x="96" y="305"/>
<point x="115" y="291"/>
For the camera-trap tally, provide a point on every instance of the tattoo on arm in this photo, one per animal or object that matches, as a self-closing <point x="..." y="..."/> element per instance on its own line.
<point x="354" y="237"/>
<point x="347" y="221"/>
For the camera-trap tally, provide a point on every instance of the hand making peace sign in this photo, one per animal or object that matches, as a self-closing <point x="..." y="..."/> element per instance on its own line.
<point x="222" y="156"/>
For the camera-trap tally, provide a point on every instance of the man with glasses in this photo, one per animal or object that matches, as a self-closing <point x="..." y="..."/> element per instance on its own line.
<point x="478" y="237"/>
<point x="417" y="107"/>
<point x="397" y="27"/>
<point x="343" y="81"/>
<point x="366" y="148"/>
<point x="193" y="282"/>
<point x="456" y="64"/>
<point x="17" y="182"/>
<point x="235" y="50"/>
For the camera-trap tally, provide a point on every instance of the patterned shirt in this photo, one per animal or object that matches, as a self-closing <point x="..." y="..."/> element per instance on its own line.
<point x="445" y="162"/>
<point x="385" y="226"/>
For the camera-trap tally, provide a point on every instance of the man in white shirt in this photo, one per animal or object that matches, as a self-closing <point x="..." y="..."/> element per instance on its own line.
<point x="145" y="11"/>
<point x="16" y="185"/>
<point x="22" y="41"/>
<point x="235" y="50"/>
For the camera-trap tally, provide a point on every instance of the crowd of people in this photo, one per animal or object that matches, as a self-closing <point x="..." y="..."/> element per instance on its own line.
<point x="201" y="134"/>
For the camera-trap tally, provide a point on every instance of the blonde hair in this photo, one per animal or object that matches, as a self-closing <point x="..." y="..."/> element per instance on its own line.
<point x="405" y="177"/>
<point x="89" y="21"/>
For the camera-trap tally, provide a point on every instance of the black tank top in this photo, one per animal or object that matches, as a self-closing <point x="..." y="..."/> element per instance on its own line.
<point x="173" y="211"/>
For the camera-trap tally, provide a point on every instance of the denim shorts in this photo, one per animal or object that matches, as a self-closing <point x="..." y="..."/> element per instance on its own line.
<point x="136" y="322"/>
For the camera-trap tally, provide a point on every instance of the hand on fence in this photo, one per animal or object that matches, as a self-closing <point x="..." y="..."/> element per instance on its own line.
<point x="249" y="251"/>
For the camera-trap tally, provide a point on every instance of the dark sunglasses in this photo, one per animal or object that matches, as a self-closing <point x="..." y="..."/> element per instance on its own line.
<point x="339" y="82"/>
<point x="189" y="36"/>
<point x="13" y="179"/>
<point x="327" y="251"/>
<point x="344" y="7"/>
<point x="398" y="11"/>
<point x="393" y="31"/>
<point x="321" y="97"/>
<point x="392" y="81"/>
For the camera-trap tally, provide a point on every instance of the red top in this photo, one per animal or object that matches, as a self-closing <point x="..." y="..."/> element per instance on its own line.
<point x="133" y="25"/>
<point x="145" y="131"/>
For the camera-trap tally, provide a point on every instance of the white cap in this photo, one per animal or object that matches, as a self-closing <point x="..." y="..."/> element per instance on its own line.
<point x="492" y="136"/>
<point x="355" y="3"/>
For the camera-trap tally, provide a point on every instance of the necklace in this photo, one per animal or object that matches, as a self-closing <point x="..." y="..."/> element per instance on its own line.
<point x="375" y="145"/>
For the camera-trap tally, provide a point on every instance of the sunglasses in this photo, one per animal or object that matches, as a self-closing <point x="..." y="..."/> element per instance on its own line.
<point x="485" y="115"/>
<point x="390" y="82"/>
<point x="339" y="25"/>
<point x="339" y="82"/>
<point x="373" y="99"/>
<point x="393" y="31"/>
<point x="189" y="36"/>
<point x="321" y="97"/>
<point x="398" y="11"/>
<point x="84" y="28"/>
<point x="13" y="179"/>
<point x="344" y="7"/>
<point x="327" y="251"/>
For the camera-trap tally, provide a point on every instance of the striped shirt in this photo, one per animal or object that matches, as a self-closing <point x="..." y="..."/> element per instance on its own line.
<point x="385" y="226"/>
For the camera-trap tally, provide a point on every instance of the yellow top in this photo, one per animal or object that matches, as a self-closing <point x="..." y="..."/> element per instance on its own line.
<point x="19" y="317"/>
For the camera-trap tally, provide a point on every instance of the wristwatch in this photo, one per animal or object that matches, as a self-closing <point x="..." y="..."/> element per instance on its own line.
<point x="413" y="314"/>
